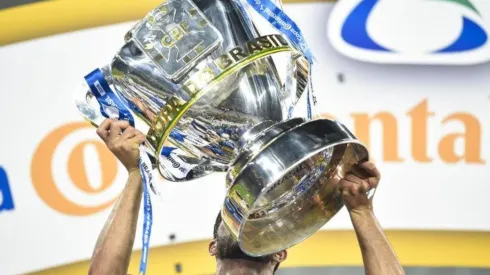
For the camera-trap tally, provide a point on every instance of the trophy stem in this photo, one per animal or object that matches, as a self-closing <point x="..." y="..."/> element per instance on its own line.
<point x="257" y="138"/>
<point x="252" y="134"/>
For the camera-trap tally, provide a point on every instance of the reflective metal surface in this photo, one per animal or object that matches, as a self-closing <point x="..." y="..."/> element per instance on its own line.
<point x="212" y="93"/>
<point x="289" y="189"/>
<point x="199" y="75"/>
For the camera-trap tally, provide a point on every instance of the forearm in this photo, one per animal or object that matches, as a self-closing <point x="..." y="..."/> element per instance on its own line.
<point x="113" y="249"/>
<point x="378" y="256"/>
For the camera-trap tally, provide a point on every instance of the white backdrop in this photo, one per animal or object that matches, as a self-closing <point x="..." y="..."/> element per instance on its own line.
<point x="37" y="78"/>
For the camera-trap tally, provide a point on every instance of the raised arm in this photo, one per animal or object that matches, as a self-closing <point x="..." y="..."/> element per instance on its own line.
<point x="112" y="251"/>
<point x="378" y="256"/>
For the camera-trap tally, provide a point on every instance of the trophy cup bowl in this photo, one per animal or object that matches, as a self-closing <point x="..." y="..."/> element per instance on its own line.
<point x="213" y="92"/>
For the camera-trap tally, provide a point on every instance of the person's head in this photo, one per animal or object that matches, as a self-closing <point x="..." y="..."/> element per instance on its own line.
<point x="225" y="247"/>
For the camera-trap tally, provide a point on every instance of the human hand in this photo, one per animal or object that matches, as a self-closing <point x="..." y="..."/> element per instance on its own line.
<point x="356" y="185"/>
<point x="123" y="141"/>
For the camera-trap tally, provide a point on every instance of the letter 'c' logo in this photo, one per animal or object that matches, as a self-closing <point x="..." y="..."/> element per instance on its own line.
<point x="44" y="181"/>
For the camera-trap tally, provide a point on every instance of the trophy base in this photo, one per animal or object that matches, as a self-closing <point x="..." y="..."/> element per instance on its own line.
<point x="283" y="186"/>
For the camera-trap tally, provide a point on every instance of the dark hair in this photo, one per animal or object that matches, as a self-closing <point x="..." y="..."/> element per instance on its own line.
<point x="216" y="225"/>
<point x="215" y="233"/>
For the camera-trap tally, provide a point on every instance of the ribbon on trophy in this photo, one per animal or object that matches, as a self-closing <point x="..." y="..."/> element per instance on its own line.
<point x="111" y="106"/>
<point x="147" y="177"/>
<point x="109" y="102"/>
<point x="284" y="24"/>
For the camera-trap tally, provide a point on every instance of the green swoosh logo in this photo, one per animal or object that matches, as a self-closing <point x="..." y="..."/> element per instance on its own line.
<point x="464" y="3"/>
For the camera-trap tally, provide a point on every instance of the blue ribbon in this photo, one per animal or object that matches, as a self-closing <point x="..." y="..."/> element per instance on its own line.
<point x="107" y="98"/>
<point x="310" y="90"/>
<point x="177" y="136"/>
<point x="283" y="23"/>
<point x="148" y="215"/>
<point x="166" y="151"/>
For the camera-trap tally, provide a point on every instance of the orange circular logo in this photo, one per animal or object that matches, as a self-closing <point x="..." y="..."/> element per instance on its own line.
<point x="42" y="170"/>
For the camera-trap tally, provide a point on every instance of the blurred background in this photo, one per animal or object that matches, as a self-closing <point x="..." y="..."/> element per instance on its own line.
<point x="410" y="79"/>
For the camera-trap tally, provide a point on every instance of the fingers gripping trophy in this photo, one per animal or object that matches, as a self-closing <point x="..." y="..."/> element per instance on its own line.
<point x="213" y="90"/>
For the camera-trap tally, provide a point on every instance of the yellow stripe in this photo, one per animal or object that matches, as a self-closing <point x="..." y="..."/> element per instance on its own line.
<point x="58" y="16"/>
<point x="228" y="71"/>
<point x="326" y="248"/>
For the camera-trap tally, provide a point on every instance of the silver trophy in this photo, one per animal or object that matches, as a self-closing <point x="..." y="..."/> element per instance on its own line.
<point x="212" y="88"/>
